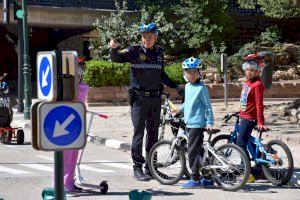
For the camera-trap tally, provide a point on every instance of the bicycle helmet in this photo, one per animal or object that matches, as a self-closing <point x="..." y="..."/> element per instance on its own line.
<point x="152" y="28"/>
<point x="191" y="63"/>
<point x="251" y="65"/>
<point x="256" y="58"/>
<point x="4" y="87"/>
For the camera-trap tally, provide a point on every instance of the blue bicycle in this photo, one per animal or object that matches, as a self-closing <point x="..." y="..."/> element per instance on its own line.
<point x="275" y="157"/>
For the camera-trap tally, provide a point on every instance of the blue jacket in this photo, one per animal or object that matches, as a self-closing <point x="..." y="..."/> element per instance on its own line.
<point x="197" y="106"/>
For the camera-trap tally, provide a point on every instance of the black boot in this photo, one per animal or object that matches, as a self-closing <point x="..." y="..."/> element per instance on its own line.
<point x="139" y="175"/>
<point x="148" y="174"/>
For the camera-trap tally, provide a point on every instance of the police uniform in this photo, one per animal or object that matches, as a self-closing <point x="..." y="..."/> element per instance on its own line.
<point x="147" y="77"/>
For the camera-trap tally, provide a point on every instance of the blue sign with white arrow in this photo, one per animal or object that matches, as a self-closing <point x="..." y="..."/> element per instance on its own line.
<point x="62" y="125"/>
<point x="45" y="76"/>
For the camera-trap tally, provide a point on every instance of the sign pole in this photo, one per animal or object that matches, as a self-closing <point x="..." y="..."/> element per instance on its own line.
<point x="27" y="66"/>
<point x="58" y="155"/>
<point x="224" y="69"/>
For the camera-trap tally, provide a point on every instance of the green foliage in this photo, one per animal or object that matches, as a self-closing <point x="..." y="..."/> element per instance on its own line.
<point x="271" y="36"/>
<point x="100" y="73"/>
<point x="273" y="8"/>
<point x="103" y="73"/>
<point x="174" y="71"/>
<point x="203" y="22"/>
<point x="115" y="26"/>
<point x="213" y="59"/>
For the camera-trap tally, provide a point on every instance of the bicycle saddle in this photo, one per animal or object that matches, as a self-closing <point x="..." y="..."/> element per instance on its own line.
<point x="213" y="131"/>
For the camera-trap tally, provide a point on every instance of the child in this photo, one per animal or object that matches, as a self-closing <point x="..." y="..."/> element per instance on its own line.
<point x="197" y="116"/>
<point x="71" y="156"/>
<point x="252" y="107"/>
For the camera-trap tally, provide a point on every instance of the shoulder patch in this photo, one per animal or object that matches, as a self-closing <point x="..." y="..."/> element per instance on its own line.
<point x="123" y="50"/>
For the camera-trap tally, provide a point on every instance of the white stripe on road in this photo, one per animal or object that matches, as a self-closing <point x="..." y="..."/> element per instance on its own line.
<point x="113" y="164"/>
<point x="88" y="168"/>
<point x="13" y="171"/>
<point x="45" y="157"/>
<point x="38" y="167"/>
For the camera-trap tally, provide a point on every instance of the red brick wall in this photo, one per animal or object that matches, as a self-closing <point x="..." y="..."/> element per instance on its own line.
<point x="118" y="94"/>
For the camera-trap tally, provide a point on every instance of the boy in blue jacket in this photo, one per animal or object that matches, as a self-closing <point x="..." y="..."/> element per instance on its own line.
<point x="197" y="116"/>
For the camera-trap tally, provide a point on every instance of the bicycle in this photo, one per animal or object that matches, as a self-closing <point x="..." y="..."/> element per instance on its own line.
<point x="165" y="116"/>
<point x="264" y="155"/>
<point x="228" y="165"/>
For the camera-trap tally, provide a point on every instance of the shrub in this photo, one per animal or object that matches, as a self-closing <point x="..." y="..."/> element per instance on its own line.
<point x="103" y="73"/>
<point x="174" y="71"/>
<point x="271" y="36"/>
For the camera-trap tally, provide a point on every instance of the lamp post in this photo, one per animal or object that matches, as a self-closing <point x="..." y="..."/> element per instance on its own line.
<point x="22" y="14"/>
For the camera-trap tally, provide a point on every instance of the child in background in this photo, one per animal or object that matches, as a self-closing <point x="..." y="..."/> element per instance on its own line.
<point x="71" y="156"/>
<point x="252" y="106"/>
<point x="197" y="116"/>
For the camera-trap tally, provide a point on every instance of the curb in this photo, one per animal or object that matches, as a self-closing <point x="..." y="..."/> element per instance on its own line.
<point x="111" y="143"/>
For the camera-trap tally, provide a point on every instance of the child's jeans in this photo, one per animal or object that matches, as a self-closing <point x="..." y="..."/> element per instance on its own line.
<point x="195" y="150"/>
<point x="246" y="128"/>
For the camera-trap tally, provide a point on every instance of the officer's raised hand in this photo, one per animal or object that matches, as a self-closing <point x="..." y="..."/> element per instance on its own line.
<point x="114" y="43"/>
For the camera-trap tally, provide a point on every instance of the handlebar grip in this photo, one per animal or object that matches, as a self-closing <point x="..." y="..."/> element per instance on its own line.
<point x="103" y="116"/>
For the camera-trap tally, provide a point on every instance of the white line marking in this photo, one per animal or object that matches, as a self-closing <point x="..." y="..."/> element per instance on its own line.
<point x="13" y="171"/>
<point x="38" y="167"/>
<point x="113" y="164"/>
<point x="10" y="146"/>
<point x="88" y="168"/>
<point x="44" y="157"/>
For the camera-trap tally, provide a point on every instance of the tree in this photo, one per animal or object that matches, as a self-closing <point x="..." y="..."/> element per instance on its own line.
<point x="204" y="22"/>
<point x="280" y="9"/>
<point x="116" y="26"/>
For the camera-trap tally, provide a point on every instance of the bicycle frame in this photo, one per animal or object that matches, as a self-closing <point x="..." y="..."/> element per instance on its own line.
<point x="183" y="135"/>
<point x="253" y="141"/>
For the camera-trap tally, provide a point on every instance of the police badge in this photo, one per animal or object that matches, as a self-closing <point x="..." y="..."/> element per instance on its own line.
<point x="143" y="57"/>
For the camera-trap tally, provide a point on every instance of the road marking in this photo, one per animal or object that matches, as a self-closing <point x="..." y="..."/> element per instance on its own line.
<point x="38" y="167"/>
<point x="113" y="164"/>
<point x="94" y="169"/>
<point x="44" y="157"/>
<point x="13" y="171"/>
<point x="10" y="146"/>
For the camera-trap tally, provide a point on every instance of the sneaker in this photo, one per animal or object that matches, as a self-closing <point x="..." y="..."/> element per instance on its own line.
<point x="77" y="189"/>
<point x="191" y="184"/>
<point x="206" y="182"/>
<point x="251" y="179"/>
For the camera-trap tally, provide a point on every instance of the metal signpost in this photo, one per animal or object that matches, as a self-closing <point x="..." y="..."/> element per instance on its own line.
<point x="224" y="65"/>
<point x="58" y="122"/>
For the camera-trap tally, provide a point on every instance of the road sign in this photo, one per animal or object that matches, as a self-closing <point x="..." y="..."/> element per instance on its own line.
<point x="47" y="76"/>
<point x="34" y="126"/>
<point x="61" y="126"/>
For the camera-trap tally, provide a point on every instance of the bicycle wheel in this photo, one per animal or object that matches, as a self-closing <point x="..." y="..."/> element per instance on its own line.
<point x="281" y="172"/>
<point x="166" y="165"/>
<point x="237" y="174"/>
<point x="219" y="141"/>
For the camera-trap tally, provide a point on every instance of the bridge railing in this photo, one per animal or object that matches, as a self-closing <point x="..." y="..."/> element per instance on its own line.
<point x="93" y="4"/>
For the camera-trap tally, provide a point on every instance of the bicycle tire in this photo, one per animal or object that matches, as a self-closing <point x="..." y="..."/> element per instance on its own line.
<point x="247" y="167"/>
<point x="218" y="138"/>
<point x="151" y="160"/>
<point x="290" y="169"/>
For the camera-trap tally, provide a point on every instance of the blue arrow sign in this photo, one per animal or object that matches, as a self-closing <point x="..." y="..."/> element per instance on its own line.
<point x="62" y="125"/>
<point x="45" y="76"/>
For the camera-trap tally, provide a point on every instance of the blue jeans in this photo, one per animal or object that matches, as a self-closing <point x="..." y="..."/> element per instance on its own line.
<point x="246" y="128"/>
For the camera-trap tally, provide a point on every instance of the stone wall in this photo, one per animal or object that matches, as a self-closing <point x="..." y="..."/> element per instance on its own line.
<point x="118" y="94"/>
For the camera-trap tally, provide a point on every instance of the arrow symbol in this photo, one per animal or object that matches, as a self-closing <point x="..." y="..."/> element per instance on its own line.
<point x="60" y="129"/>
<point x="44" y="76"/>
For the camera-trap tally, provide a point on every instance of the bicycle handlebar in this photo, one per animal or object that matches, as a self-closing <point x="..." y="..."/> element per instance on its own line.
<point x="228" y="117"/>
<point x="98" y="114"/>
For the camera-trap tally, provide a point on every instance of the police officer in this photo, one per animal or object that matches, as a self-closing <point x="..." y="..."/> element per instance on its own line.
<point x="147" y="76"/>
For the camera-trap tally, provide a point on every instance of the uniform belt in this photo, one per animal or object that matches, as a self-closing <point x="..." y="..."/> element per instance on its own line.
<point x="156" y="93"/>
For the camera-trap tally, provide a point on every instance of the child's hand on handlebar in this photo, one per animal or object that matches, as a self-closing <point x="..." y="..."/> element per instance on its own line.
<point x="209" y="127"/>
<point x="263" y="128"/>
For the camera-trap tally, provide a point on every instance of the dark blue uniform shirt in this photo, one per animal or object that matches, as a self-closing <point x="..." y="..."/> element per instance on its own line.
<point x="147" y="67"/>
